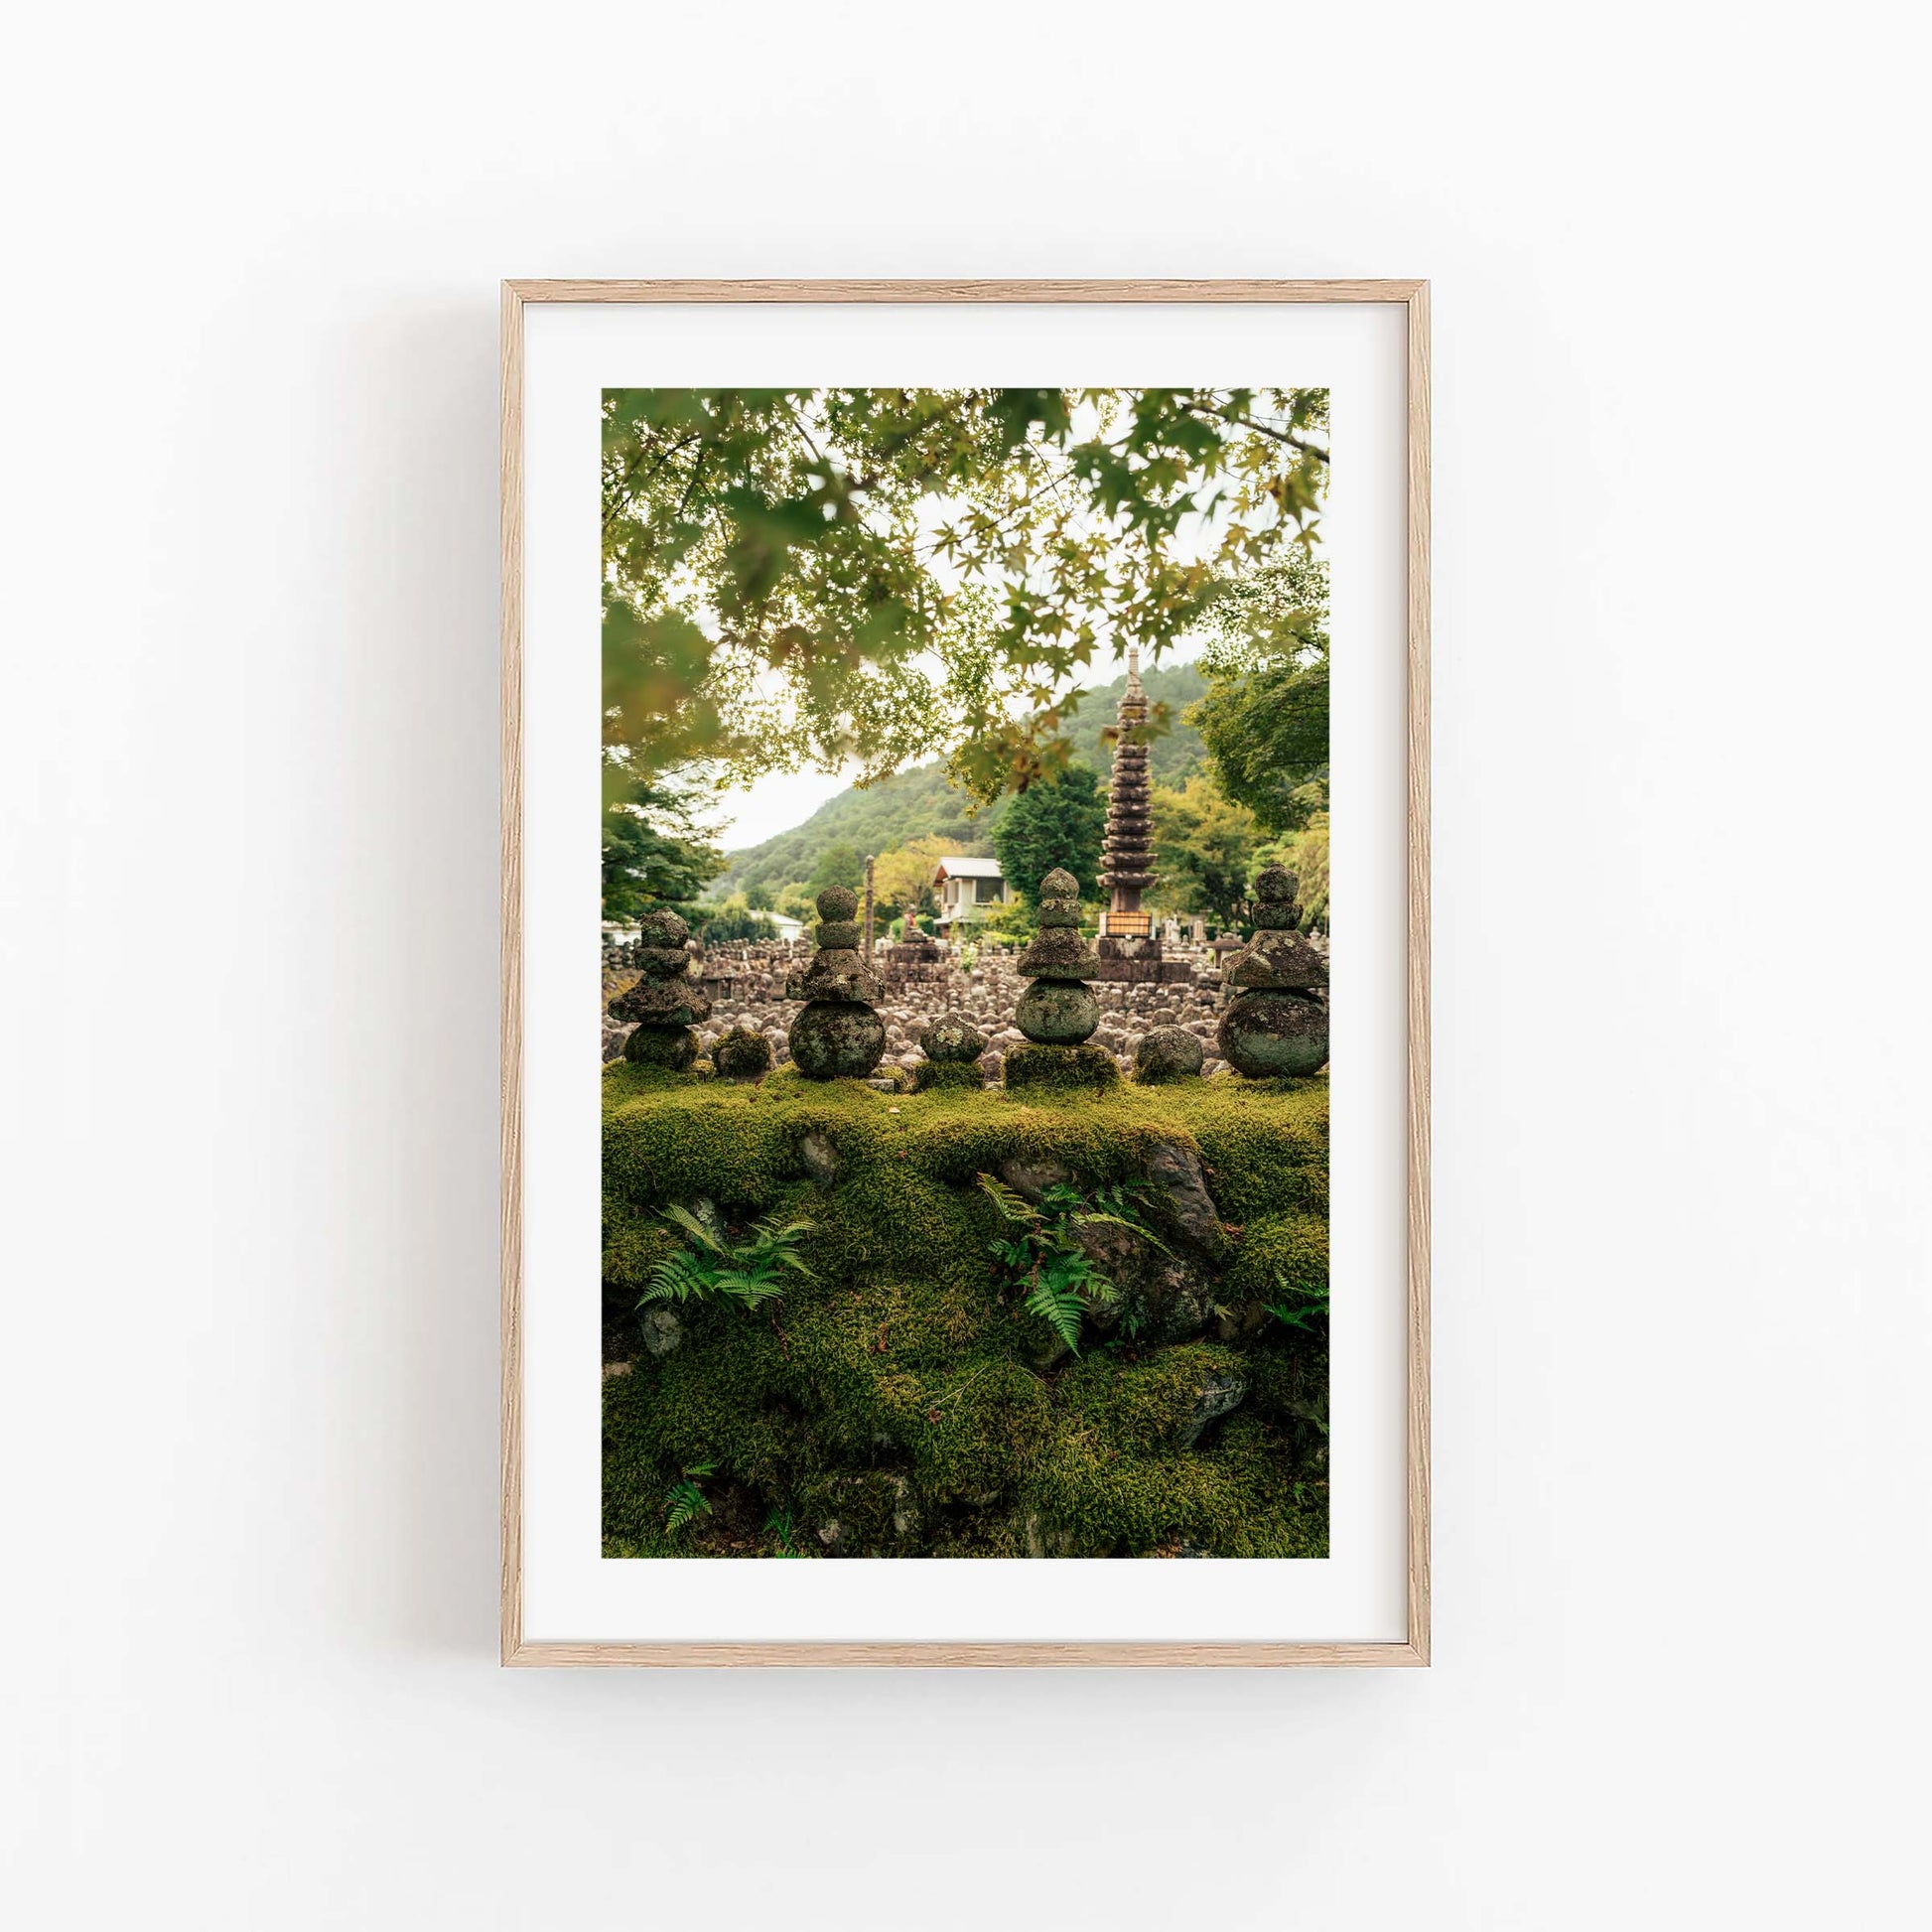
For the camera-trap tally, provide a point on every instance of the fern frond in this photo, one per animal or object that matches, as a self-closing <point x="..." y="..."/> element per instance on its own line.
<point x="1013" y="1205"/>
<point x="685" y="1502"/>
<point x="695" y="1228"/>
<point x="1090" y="1219"/>
<point x="1060" y="1310"/>
<point x="677" y="1277"/>
<point x="747" y="1290"/>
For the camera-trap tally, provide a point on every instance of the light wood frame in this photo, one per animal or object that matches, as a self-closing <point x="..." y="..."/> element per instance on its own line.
<point x="1413" y="296"/>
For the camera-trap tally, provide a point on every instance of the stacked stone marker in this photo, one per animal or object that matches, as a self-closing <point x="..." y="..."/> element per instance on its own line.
<point x="952" y="1046"/>
<point x="1276" y="1024"/>
<point x="1058" y="1011"/>
<point x="838" y="1036"/>
<point x="666" y="1002"/>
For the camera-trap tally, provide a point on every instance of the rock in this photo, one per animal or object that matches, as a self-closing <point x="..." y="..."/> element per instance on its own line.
<point x="666" y="1002"/>
<point x="1267" y="1035"/>
<point x="661" y="1330"/>
<point x="1159" y="1297"/>
<point x="818" y="1157"/>
<point x="1057" y="1013"/>
<point x="837" y="1040"/>
<point x="1167" y="1053"/>
<point x="1220" y="1395"/>
<point x="952" y="1039"/>
<point x="1033" y="1177"/>
<point x="741" y="1054"/>
<point x="1176" y="1171"/>
<point x="669" y="1049"/>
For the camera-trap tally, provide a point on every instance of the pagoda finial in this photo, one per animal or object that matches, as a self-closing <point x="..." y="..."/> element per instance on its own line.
<point x="1134" y="689"/>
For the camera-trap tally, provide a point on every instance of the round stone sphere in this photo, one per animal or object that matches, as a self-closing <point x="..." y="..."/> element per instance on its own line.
<point x="657" y="930"/>
<point x="836" y="1040"/>
<point x="1056" y="1013"/>
<point x="952" y="1039"/>
<point x="1168" y="1053"/>
<point x="837" y="903"/>
<point x="741" y="1054"/>
<point x="1268" y="1035"/>
<point x="669" y="1049"/>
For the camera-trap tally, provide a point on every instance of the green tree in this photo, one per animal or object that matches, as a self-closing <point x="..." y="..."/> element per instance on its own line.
<point x="1060" y="821"/>
<point x="1203" y="847"/>
<point x="757" y="896"/>
<point x="818" y="575"/>
<point x="1265" y="718"/>
<point x="903" y="877"/>
<point x="838" y="865"/>
<point x="655" y="855"/>
<point x="735" y="919"/>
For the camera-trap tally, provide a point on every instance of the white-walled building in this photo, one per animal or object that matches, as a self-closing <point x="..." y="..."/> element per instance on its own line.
<point x="966" y="888"/>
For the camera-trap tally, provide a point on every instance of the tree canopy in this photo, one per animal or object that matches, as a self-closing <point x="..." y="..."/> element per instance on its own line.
<point x="830" y="576"/>
<point x="1205" y="846"/>
<point x="1061" y="821"/>
<point x="655" y="853"/>
<point x="1265" y="718"/>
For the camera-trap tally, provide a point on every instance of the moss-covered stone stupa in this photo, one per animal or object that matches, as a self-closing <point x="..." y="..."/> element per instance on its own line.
<point x="838" y="1036"/>
<point x="1277" y="1022"/>
<point x="666" y="1002"/>
<point x="1059" y="1013"/>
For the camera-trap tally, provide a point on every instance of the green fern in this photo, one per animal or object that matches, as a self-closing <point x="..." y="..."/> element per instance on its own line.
<point x="1061" y="1284"/>
<point x="746" y="1273"/>
<point x="684" y="1501"/>
<point x="1302" y="1312"/>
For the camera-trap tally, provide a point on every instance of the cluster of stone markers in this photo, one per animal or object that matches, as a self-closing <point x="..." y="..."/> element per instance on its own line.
<point x="1276" y="1022"/>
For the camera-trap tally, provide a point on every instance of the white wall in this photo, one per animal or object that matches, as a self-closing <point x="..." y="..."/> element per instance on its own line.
<point x="249" y="717"/>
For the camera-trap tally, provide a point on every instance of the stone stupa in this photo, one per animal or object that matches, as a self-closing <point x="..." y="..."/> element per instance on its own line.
<point x="666" y="1002"/>
<point x="1057" y="1013"/>
<point x="838" y="1036"/>
<point x="1276" y="1022"/>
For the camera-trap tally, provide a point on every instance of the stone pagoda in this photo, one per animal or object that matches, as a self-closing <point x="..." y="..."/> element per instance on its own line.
<point x="666" y="1002"/>
<point x="838" y="1036"/>
<point x="1059" y="1013"/>
<point x="1129" y="950"/>
<point x="1277" y="1022"/>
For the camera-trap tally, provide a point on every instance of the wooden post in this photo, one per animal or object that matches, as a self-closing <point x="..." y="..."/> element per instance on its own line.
<point x="864" y="935"/>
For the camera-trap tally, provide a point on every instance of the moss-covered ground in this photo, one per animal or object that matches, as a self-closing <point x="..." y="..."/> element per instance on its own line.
<point x="901" y="1402"/>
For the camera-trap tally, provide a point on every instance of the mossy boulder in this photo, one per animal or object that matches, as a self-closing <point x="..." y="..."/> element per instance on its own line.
<point x="1168" y="1053"/>
<point x="741" y="1054"/>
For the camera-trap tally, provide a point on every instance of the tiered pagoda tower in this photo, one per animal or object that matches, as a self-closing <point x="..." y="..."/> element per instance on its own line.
<point x="1127" y="857"/>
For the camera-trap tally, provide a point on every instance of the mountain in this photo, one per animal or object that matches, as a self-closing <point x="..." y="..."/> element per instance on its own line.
<point x="919" y="803"/>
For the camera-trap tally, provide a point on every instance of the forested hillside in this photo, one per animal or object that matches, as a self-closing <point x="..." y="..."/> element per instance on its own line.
<point x="919" y="803"/>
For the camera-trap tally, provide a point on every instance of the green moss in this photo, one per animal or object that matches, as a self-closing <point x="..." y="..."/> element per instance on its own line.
<point x="895" y="1394"/>
<point x="1059" y="1068"/>
<point x="929" y="1074"/>
<point x="1283" y="1257"/>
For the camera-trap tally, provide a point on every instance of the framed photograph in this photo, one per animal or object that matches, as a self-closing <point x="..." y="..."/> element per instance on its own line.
<point x="965" y="1022"/>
